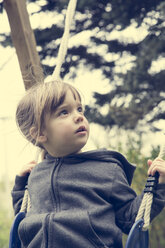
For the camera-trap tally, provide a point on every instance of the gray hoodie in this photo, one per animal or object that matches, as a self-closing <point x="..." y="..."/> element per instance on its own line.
<point x="80" y="201"/>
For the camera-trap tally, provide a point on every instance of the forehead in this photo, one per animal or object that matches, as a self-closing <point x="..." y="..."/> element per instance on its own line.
<point x="67" y="97"/>
<point x="72" y="95"/>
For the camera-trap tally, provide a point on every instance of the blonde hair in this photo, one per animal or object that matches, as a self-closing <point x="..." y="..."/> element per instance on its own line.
<point x="39" y="100"/>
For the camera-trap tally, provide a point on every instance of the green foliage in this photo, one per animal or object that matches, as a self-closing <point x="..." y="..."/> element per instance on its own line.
<point x="6" y="217"/>
<point x="5" y="224"/>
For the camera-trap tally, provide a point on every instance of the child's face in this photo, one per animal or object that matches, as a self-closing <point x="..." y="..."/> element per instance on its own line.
<point x="67" y="129"/>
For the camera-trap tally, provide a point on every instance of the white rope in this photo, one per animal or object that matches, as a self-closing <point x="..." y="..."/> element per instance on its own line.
<point x="145" y="210"/>
<point x="145" y="207"/>
<point x="64" y="43"/>
<point x="26" y="204"/>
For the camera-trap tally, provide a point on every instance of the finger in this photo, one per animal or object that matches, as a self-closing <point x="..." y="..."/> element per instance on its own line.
<point x="159" y="168"/>
<point x="150" y="165"/>
<point x="158" y="160"/>
<point x="156" y="166"/>
<point x="33" y="162"/>
<point x="149" y="162"/>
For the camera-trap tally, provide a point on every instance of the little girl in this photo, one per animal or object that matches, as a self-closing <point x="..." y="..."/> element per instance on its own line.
<point x="78" y="199"/>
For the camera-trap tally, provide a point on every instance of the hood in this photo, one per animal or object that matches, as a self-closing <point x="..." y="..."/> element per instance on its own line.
<point x="102" y="155"/>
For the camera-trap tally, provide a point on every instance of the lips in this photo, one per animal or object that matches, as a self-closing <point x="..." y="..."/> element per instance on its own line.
<point x="81" y="129"/>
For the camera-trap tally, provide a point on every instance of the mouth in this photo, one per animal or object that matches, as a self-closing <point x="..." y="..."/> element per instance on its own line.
<point x="81" y="129"/>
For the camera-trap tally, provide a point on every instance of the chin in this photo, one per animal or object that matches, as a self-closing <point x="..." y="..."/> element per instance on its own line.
<point x="79" y="149"/>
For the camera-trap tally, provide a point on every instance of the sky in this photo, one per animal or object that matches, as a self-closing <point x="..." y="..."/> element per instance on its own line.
<point x="14" y="150"/>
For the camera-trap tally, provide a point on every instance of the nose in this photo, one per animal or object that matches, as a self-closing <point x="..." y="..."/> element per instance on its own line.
<point x="78" y="117"/>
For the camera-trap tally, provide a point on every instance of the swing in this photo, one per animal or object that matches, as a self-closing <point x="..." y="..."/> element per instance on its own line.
<point x="139" y="235"/>
<point x="14" y="238"/>
<point x="137" y="238"/>
<point x="14" y="241"/>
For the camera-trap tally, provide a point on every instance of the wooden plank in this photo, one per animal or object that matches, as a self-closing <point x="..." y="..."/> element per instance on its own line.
<point x="24" y="41"/>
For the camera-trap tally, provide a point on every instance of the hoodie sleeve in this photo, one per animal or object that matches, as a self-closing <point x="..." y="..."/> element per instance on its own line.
<point x="18" y="192"/>
<point x="126" y="202"/>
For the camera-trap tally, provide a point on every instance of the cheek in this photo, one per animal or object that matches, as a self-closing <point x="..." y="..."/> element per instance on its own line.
<point x="60" y="131"/>
<point x="87" y="125"/>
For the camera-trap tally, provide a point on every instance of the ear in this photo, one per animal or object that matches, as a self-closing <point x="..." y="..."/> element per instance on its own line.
<point x="42" y="138"/>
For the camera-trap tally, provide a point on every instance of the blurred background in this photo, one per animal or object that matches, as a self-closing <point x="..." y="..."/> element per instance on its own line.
<point x="116" y="59"/>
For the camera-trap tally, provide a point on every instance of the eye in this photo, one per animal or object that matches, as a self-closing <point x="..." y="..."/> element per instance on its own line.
<point x="63" y="112"/>
<point x="80" y="109"/>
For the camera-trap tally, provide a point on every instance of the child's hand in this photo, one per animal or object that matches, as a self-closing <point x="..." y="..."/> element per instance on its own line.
<point x="157" y="165"/>
<point x="27" y="169"/>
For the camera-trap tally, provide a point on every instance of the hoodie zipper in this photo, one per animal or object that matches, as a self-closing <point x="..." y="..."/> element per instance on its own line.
<point x="54" y="184"/>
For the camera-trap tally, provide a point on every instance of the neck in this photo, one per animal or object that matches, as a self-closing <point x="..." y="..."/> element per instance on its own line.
<point x="55" y="154"/>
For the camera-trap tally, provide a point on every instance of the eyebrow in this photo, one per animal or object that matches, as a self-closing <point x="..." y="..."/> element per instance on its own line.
<point x="66" y="105"/>
<point x="62" y="106"/>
